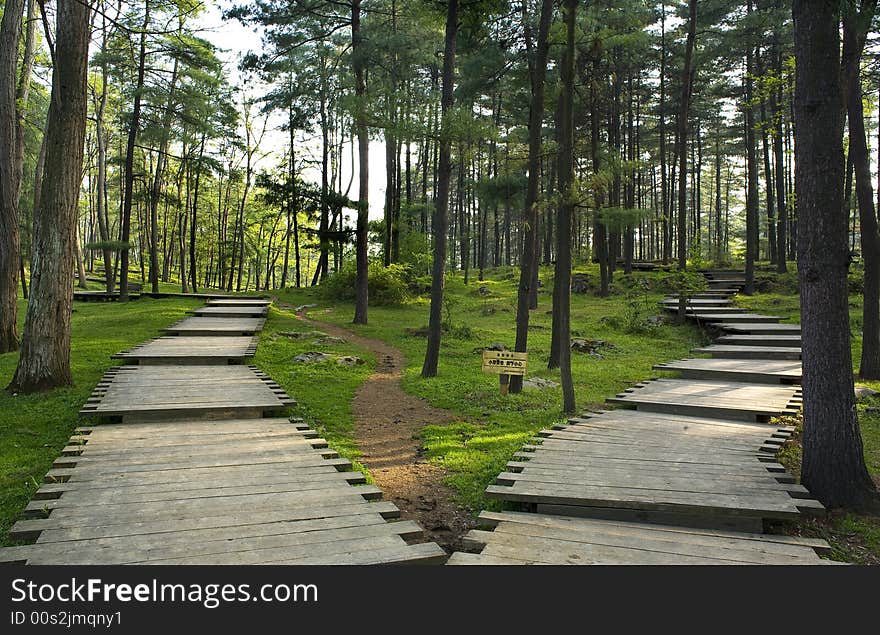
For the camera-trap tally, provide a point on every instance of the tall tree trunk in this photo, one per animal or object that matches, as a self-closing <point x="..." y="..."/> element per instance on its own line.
<point x="562" y="278"/>
<point x="751" y="172"/>
<point x="687" y="80"/>
<point x="440" y="219"/>
<point x="529" y="260"/>
<point x="193" y="278"/>
<point x="133" y="127"/>
<point x="833" y="460"/>
<point x="779" y="156"/>
<point x="44" y="361"/>
<point x="10" y="175"/>
<point x="361" y="290"/>
<point x="855" y="31"/>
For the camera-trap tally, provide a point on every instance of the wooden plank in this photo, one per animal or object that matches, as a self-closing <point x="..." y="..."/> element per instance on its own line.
<point x="758" y="328"/>
<point x="758" y="353"/>
<point x="231" y="311"/>
<point x="761" y="340"/>
<point x="732" y="318"/>
<point x="739" y="370"/>
<point x="216" y="326"/>
<point x="192" y="350"/>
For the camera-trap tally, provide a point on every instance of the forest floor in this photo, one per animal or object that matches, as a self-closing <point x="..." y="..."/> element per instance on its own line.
<point x="387" y="429"/>
<point x="433" y="445"/>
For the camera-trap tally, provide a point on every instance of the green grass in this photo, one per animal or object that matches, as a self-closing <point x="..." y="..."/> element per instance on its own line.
<point x="34" y="428"/>
<point x="323" y="391"/>
<point x="491" y="427"/>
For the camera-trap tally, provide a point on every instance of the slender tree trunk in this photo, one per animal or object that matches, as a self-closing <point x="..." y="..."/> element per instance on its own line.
<point x="133" y="127"/>
<point x="779" y="159"/>
<point x="687" y="80"/>
<point x="44" y="361"/>
<point x="855" y="31"/>
<point x="439" y="222"/>
<point x="362" y="281"/>
<point x="833" y="460"/>
<point x="751" y="173"/>
<point x="562" y="279"/>
<point x="529" y="260"/>
<point x="10" y="175"/>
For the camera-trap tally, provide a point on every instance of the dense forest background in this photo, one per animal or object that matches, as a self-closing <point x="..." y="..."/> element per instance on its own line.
<point x="179" y="170"/>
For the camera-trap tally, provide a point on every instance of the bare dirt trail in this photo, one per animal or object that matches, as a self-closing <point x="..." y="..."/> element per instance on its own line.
<point x="387" y="422"/>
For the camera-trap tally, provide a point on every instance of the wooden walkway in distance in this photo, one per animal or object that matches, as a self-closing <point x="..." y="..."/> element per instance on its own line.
<point x="199" y="350"/>
<point x="232" y="311"/>
<point x="216" y="326"/>
<point x="201" y="466"/>
<point x="686" y="475"/>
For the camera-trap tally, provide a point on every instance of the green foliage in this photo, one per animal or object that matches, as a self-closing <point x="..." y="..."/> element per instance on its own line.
<point x="114" y="245"/>
<point x="387" y="285"/>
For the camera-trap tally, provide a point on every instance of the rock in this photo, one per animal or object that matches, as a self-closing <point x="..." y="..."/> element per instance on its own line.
<point x="580" y="283"/>
<point x="302" y="308"/>
<point x="590" y="347"/>
<point x="328" y="339"/>
<point x="494" y="346"/>
<point x="349" y="360"/>
<point x="539" y="384"/>
<point x="298" y="335"/>
<point x="312" y="357"/>
<point x="484" y="290"/>
<point x="864" y="391"/>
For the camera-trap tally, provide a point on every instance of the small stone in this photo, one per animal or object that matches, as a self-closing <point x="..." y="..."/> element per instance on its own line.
<point x="539" y="384"/>
<point x="302" y="308"/>
<point x="329" y="340"/>
<point x="484" y="290"/>
<point x="349" y="360"/>
<point x="312" y="357"/>
<point x="864" y="391"/>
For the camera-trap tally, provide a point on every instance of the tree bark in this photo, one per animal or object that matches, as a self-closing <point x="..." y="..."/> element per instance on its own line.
<point x="363" y="216"/>
<point x="855" y="31"/>
<point x="10" y="175"/>
<point x="687" y="80"/>
<point x="529" y="260"/>
<point x="440" y="219"/>
<point x="44" y="361"/>
<point x="833" y="461"/>
<point x="562" y="278"/>
<point x="133" y="127"/>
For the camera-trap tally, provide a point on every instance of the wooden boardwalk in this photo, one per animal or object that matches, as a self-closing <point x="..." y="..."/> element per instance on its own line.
<point x="686" y="475"/>
<point x="753" y="351"/>
<point x="238" y="302"/>
<point x="197" y="350"/>
<point x="232" y="311"/>
<point x="539" y="539"/>
<point x="216" y="326"/>
<point x="726" y="399"/>
<point x="253" y="491"/>
<point x="201" y="466"/>
<point x="740" y="370"/>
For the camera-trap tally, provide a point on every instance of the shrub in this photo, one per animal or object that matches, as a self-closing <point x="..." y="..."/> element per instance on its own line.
<point x="387" y="285"/>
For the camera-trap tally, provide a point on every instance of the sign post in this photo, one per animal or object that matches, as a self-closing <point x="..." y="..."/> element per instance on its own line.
<point x="504" y="364"/>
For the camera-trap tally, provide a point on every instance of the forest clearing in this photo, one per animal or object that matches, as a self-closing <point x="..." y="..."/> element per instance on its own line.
<point x="371" y="282"/>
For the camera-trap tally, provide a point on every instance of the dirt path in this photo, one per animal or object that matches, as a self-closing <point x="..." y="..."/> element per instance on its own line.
<point x="387" y="421"/>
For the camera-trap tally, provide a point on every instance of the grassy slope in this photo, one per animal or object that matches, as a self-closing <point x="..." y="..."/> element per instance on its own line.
<point x="491" y="427"/>
<point x="34" y="428"/>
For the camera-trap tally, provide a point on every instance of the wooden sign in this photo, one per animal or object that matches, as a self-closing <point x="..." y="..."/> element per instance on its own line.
<point x="505" y="362"/>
